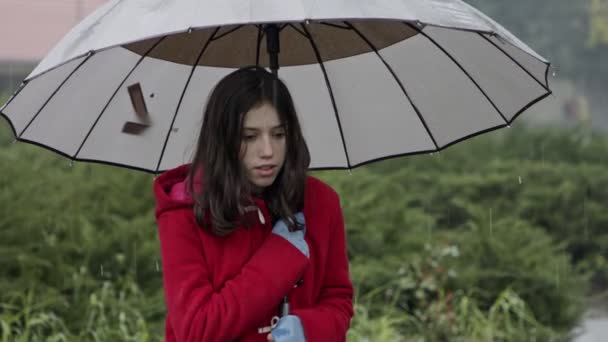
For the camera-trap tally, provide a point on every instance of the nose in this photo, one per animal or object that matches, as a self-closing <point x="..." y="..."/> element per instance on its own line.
<point x="266" y="148"/>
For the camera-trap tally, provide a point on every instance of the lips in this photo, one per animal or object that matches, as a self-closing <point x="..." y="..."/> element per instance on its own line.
<point x="265" y="170"/>
<point x="265" y="167"/>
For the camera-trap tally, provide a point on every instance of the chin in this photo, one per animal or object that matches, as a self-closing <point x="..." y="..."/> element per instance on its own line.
<point x="264" y="183"/>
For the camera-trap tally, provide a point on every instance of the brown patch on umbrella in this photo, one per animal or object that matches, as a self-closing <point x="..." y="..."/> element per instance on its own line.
<point x="236" y="45"/>
<point x="141" y="111"/>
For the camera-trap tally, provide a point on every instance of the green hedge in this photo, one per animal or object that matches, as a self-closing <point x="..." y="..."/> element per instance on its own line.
<point x="490" y="239"/>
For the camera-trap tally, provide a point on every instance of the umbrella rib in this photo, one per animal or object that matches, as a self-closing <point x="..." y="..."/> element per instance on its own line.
<point x="228" y="32"/>
<point x="257" y="51"/>
<point x="392" y="72"/>
<point x="329" y="89"/>
<point x="515" y="61"/>
<point x="179" y="104"/>
<point x="453" y="59"/>
<point x="298" y="30"/>
<point x="335" y="25"/>
<point x="23" y="84"/>
<point x="114" y="94"/>
<point x="53" y="95"/>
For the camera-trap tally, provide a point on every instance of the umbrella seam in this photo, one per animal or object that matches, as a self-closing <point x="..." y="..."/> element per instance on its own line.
<point x="257" y="51"/>
<point x="8" y="102"/>
<point x="179" y="104"/>
<point x="398" y="80"/>
<point x="335" y="25"/>
<point x="298" y="30"/>
<point x="53" y="94"/>
<point x="227" y="32"/>
<point x="113" y="95"/>
<point x="200" y="27"/>
<point x="547" y="74"/>
<point x="329" y="89"/>
<point x="453" y="59"/>
<point x="472" y="135"/>
<point x="546" y="87"/>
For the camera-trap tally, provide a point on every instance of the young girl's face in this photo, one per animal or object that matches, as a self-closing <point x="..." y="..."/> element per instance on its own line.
<point x="263" y="145"/>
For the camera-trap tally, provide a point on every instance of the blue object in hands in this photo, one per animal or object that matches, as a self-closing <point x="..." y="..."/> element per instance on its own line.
<point x="296" y="238"/>
<point x="289" y="329"/>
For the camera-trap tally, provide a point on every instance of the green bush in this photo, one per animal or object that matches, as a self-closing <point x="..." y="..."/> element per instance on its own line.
<point x="511" y="254"/>
<point x="492" y="239"/>
<point x="414" y="301"/>
<point x="78" y="250"/>
<point x="550" y="179"/>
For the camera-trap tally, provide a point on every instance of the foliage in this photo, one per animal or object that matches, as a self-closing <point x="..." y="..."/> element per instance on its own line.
<point x="568" y="33"/>
<point x="492" y="239"/>
<point x="79" y="255"/>
<point x="416" y="304"/>
<point x="513" y="255"/>
<point x="598" y="23"/>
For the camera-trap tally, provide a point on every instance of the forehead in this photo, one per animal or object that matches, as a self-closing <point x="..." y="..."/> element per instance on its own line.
<point x="264" y="116"/>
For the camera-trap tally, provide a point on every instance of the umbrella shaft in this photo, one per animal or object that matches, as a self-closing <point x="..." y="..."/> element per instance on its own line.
<point x="273" y="46"/>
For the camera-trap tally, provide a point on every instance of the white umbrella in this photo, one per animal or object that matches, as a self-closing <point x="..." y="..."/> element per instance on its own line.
<point x="371" y="79"/>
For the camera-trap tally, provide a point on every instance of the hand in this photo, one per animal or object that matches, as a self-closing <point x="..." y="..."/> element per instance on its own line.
<point x="296" y="238"/>
<point x="288" y="329"/>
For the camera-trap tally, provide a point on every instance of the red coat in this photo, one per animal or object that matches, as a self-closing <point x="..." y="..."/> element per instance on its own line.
<point x="224" y="289"/>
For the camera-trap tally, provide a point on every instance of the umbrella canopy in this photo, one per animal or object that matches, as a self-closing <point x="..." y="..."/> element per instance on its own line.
<point x="371" y="79"/>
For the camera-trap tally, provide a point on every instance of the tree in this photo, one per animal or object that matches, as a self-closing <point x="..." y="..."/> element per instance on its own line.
<point x="598" y="23"/>
<point x="573" y="35"/>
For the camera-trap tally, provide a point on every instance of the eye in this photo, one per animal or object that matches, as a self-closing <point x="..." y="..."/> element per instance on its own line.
<point x="249" y="137"/>
<point x="279" y="134"/>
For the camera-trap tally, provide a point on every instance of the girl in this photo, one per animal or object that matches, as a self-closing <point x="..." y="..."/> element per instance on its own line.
<point x="243" y="226"/>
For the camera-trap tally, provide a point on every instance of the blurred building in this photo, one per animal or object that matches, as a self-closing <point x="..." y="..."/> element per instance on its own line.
<point x="30" y="28"/>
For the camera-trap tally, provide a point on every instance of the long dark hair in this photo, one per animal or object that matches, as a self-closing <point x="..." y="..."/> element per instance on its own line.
<point x="216" y="164"/>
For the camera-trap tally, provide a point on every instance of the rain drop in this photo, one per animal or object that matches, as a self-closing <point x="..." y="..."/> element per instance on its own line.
<point x="157" y="267"/>
<point x="190" y="30"/>
<point x="553" y="73"/>
<point x="508" y="125"/>
<point x="71" y="164"/>
<point x="542" y="155"/>
<point x="307" y="22"/>
<point x="586" y="219"/>
<point x="14" y="141"/>
<point x="520" y="181"/>
<point x="101" y="270"/>
<point x="557" y="275"/>
<point x="350" y="172"/>
<point x="419" y="23"/>
<point x="491" y="223"/>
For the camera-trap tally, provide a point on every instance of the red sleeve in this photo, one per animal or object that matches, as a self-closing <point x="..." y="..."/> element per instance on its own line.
<point x="329" y="319"/>
<point x="198" y="313"/>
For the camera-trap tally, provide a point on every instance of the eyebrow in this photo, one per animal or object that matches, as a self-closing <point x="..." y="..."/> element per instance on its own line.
<point x="257" y="129"/>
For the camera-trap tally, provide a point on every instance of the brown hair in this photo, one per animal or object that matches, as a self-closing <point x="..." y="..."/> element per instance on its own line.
<point x="226" y="190"/>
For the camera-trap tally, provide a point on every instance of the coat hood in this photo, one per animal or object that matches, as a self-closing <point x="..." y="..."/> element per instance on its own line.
<point x="171" y="190"/>
<point x="171" y="193"/>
